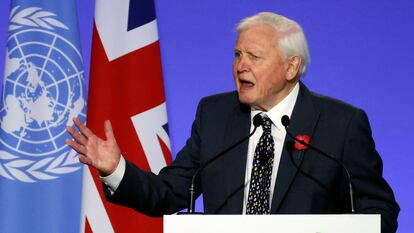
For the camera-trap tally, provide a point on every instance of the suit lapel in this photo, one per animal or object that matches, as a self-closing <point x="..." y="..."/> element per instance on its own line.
<point x="238" y="127"/>
<point x="303" y="121"/>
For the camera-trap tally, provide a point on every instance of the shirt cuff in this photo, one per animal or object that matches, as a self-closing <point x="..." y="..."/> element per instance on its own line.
<point x="114" y="179"/>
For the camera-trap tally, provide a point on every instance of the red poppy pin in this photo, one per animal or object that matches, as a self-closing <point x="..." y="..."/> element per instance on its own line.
<point x="304" y="138"/>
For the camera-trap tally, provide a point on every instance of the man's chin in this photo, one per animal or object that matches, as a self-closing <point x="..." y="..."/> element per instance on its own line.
<point x="251" y="102"/>
<point x="246" y="100"/>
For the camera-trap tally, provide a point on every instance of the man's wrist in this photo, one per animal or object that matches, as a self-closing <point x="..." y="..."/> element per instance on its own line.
<point x="114" y="179"/>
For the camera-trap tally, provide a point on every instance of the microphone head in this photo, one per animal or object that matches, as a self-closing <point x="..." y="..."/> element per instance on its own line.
<point x="257" y="120"/>
<point x="285" y="121"/>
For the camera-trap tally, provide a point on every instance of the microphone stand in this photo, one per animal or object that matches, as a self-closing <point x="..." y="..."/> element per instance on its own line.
<point x="257" y="121"/>
<point x="286" y="122"/>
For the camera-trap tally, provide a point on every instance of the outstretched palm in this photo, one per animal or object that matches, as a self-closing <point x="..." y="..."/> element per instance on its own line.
<point x="102" y="154"/>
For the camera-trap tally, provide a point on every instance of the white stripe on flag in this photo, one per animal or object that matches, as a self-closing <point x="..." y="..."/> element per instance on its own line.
<point x="149" y="126"/>
<point x="111" y="23"/>
<point x="92" y="206"/>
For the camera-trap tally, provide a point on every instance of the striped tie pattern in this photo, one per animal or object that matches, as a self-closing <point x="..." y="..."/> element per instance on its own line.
<point x="259" y="191"/>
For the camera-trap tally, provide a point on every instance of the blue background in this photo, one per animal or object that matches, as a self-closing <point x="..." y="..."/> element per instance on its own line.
<point x="361" y="52"/>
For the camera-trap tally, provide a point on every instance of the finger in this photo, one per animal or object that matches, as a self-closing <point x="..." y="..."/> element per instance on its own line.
<point x="109" y="133"/>
<point x="85" y="160"/>
<point x="77" y="147"/>
<point x="77" y="136"/>
<point x="82" y="128"/>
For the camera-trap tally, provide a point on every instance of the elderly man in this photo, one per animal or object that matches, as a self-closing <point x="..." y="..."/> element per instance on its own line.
<point x="265" y="174"/>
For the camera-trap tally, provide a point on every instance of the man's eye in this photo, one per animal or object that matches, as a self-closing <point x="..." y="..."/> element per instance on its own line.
<point x="237" y="54"/>
<point x="253" y="56"/>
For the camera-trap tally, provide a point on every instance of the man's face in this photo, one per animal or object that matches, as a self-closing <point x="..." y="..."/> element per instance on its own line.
<point x="259" y="70"/>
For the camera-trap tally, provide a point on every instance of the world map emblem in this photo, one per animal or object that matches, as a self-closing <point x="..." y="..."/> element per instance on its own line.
<point x="43" y="89"/>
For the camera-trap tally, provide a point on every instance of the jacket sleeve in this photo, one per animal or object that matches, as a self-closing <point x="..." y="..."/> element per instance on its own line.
<point x="371" y="191"/>
<point x="167" y="192"/>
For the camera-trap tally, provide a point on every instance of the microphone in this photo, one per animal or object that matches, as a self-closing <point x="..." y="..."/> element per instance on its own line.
<point x="257" y="121"/>
<point x="286" y="122"/>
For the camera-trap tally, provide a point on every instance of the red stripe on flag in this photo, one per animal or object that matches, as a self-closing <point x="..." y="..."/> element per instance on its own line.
<point x="88" y="228"/>
<point x="118" y="90"/>
<point x="123" y="88"/>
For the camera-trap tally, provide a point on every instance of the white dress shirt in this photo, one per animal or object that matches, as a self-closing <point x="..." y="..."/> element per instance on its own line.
<point x="285" y="107"/>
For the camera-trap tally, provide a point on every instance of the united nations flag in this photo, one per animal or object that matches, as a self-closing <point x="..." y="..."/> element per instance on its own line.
<point x="43" y="89"/>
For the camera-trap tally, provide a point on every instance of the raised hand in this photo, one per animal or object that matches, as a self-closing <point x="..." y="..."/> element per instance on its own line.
<point x="104" y="155"/>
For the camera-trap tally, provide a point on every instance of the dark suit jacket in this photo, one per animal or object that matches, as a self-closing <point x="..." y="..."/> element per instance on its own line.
<point x="319" y="186"/>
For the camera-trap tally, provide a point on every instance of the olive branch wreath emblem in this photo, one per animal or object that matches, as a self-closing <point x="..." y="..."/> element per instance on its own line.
<point x="26" y="170"/>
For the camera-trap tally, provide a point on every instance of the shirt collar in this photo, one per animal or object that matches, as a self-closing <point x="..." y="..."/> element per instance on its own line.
<point x="284" y="107"/>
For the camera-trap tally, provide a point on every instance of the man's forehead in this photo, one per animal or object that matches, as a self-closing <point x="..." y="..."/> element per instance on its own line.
<point x="251" y="47"/>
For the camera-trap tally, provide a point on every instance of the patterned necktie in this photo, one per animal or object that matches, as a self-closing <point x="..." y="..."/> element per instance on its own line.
<point x="259" y="191"/>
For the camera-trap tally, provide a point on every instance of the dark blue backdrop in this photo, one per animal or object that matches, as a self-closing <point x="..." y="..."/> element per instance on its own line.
<point x="361" y="53"/>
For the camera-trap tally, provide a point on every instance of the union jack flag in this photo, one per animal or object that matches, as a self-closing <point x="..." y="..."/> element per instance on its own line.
<point x="126" y="87"/>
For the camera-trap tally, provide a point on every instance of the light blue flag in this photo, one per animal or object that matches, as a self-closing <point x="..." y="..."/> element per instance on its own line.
<point x="43" y="88"/>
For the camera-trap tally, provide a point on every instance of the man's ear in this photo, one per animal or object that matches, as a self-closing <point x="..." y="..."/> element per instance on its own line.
<point x="293" y="65"/>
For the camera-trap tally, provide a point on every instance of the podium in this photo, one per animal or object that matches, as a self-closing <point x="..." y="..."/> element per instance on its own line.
<point x="332" y="223"/>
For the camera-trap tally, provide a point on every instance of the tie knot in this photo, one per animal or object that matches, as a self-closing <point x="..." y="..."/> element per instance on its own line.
<point x="266" y="124"/>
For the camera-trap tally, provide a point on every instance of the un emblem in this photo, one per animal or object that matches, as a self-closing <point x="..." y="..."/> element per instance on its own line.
<point x="42" y="91"/>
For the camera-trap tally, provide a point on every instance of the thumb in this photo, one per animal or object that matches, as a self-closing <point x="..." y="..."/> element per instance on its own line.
<point x="109" y="133"/>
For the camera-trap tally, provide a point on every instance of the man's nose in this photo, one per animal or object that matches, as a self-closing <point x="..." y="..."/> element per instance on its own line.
<point x="242" y="64"/>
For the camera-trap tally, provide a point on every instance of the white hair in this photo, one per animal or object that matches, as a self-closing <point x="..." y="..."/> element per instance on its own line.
<point x="292" y="42"/>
